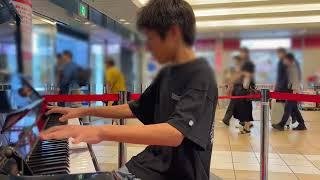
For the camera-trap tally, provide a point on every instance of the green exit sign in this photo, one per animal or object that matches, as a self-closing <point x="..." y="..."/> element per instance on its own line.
<point x="83" y="10"/>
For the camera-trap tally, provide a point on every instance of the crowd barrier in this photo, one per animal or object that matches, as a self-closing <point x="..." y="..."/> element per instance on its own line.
<point x="265" y="96"/>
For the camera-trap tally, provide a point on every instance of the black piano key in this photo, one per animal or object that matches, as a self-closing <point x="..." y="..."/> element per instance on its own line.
<point x="35" y="160"/>
<point x="34" y="163"/>
<point x="62" y="152"/>
<point x="52" y="145"/>
<point x="50" y="149"/>
<point x="50" y="164"/>
<point x="49" y="154"/>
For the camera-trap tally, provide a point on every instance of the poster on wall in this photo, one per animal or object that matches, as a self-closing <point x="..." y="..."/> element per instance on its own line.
<point x="24" y="9"/>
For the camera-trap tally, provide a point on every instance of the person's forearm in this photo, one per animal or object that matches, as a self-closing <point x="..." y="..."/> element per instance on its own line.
<point x="158" y="134"/>
<point x="116" y="112"/>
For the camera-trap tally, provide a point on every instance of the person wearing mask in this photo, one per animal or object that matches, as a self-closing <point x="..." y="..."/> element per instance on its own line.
<point x="69" y="77"/>
<point x="114" y="77"/>
<point x="294" y="85"/>
<point x="177" y="110"/>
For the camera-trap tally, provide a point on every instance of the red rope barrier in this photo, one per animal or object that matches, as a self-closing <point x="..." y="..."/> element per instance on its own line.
<point x="135" y="97"/>
<point x="295" y="97"/>
<point x="253" y="96"/>
<point x="79" y="98"/>
<point x="115" y="97"/>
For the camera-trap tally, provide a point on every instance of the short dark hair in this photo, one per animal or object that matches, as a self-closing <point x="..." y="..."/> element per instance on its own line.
<point x="282" y="50"/>
<point x="237" y="58"/>
<point x="290" y="57"/>
<point x="161" y="15"/>
<point x="58" y="56"/>
<point x="68" y="53"/>
<point x="245" y="50"/>
<point x="109" y="61"/>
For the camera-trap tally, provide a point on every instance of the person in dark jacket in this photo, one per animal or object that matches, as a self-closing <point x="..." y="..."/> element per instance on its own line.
<point x="282" y="75"/>
<point x="294" y="86"/>
<point x="246" y="82"/>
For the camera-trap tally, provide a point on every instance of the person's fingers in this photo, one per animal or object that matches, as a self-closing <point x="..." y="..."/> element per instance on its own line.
<point x="59" y="134"/>
<point x="52" y="129"/>
<point x="77" y="140"/>
<point x="65" y="117"/>
<point x="55" y="110"/>
<point x="51" y="107"/>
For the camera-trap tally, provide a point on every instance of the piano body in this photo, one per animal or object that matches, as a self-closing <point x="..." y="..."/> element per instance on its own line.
<point x="36" y="158"/>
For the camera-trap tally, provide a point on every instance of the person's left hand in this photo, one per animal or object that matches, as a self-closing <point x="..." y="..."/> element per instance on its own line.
<point x="88" y="134"/>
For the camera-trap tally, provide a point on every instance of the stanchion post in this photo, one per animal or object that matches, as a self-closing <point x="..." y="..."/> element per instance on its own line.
<point x="264" y="138"/>
<point x="122" y="151"/>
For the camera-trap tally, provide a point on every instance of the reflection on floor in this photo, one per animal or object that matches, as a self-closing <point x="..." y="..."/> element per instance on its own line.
<point x="292" y="155"/>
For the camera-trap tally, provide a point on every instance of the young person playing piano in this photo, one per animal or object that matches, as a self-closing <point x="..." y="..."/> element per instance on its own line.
<point x="177" y="109"/>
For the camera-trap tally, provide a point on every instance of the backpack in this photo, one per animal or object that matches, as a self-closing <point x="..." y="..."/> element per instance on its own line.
<point x="83" y="76"/>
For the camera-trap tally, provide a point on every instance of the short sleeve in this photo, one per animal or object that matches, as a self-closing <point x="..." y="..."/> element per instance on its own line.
<point x="144" y="108"/>
<point x="193" y="115"/>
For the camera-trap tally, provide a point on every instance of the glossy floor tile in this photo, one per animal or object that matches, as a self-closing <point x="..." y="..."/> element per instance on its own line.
<point x="292" y="155"/>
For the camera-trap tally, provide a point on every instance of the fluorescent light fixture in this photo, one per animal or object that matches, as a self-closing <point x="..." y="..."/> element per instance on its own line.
<point x="258" y="21"/>
<point x="122" y="20"/>
<point x="48" y="21"/>
<point x="260" y="44"/>
<point x="126" y="23"/>
<point x="140" y="3"/>
<point x="256" y="10"/>
<point x="87" y="23"/>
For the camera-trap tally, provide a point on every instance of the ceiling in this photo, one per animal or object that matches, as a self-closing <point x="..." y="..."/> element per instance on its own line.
<point x="47" y="13"/>
<point x="224" y="18"/>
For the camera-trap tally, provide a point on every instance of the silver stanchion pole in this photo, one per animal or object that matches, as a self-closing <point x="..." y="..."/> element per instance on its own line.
<point x="122" y="151"/>
<point x="264" y="134"/>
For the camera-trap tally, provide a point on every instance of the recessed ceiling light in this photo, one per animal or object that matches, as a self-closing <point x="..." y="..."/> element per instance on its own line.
<point x="256" y="10"/>
<point x="258" y="21"/>
<point x="199" y="2"/>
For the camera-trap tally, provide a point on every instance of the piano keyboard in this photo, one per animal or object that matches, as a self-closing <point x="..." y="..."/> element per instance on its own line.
<point x="60" y="156"/>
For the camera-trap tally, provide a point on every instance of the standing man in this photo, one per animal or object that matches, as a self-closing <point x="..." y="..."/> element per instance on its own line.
<point x="282" y="75"/>
<point x="69" y="76"/>
<point x="291" y="107"/>
<point x="177" y="109"/>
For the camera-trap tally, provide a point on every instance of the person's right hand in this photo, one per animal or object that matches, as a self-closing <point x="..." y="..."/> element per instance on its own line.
<point x="67" y="113"/>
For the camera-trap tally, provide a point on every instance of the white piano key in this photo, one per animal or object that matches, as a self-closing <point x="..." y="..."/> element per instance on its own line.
<point x="79" y="155"/>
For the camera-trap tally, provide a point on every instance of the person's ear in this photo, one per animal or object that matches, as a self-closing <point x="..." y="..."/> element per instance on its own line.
<point x="174" y="32"/>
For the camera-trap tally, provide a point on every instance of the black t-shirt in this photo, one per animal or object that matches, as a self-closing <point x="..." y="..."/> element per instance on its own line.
<point x="184" y="96"/>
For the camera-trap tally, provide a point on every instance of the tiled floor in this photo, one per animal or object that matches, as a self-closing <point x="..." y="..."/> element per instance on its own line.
<point x="292" y="155"/>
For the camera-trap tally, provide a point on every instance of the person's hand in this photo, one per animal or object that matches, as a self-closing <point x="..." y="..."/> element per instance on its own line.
<point x="88" y="134"/>
<point x="67" y="113"/>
